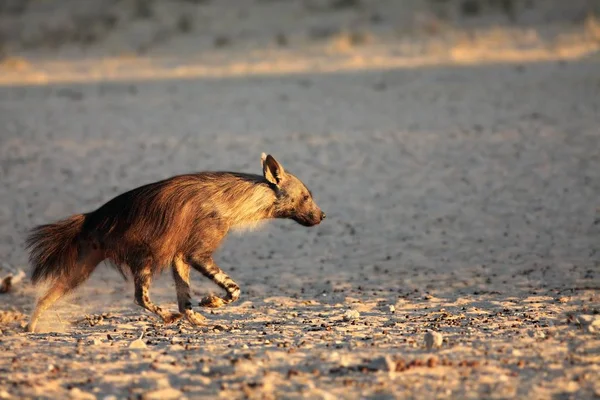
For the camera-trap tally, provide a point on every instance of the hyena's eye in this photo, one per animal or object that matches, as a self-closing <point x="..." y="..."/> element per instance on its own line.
<point x="306" y="197"/>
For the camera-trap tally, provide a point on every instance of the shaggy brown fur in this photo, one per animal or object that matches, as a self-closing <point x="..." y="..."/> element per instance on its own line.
<point x="177" y="222"/>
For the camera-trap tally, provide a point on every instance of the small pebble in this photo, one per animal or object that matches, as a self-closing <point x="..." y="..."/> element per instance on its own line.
<point x="137" y="344"/>
<point x="281" y="39"/>
<point x="163" y="394"/>
<point x="221" y="41"/>
<point x="433" y="339"/>
<point x="351" y="315"/>
<point x="432" y="362"/>
<point x="590" y="323"/>
<point x="77" y="393"/>
<point x="536" y="334"/>
<point x="384" y="363"/>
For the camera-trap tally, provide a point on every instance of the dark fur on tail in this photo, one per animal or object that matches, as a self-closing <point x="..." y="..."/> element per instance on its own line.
<point x="53" y="248"/>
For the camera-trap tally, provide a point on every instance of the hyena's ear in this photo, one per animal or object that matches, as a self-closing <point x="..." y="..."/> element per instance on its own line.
<point x="272" y="170"/>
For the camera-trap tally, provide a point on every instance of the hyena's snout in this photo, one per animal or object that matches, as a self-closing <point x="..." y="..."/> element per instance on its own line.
<point x="315" y="217"/>
<point x="311" y="217"/>
<point x="321" y="216"/>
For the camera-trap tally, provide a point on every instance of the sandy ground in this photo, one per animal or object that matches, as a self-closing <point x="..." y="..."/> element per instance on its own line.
<point x="460" y="172"/>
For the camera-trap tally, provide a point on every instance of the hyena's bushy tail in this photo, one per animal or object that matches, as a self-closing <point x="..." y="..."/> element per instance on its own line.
<point x="53" y="248"/>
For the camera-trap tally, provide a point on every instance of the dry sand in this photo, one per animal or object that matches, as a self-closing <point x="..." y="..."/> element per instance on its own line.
<point x="459" y="169"/>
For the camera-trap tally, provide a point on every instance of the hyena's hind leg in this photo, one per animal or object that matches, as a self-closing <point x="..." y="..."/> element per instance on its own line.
<point x="209" y="268"/>
<point x="181" y="275"/>
<point x="54" y="293"/>
<point x="65" y="284"/>
<point x="142" y="281"/>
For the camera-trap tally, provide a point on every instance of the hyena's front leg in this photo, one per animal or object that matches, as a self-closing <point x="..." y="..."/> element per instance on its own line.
<point x="181" y="275"/>
<point x="142" y="298"/>
<point x="210" y="269"/>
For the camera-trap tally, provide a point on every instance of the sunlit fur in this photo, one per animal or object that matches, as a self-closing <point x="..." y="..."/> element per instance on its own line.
<point x="144" y="230"/>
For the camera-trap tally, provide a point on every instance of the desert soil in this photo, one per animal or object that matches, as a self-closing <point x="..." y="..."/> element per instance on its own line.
<point x="458" y="161"/>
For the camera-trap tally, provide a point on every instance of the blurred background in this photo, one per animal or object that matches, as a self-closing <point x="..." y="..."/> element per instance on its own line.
<point x="69" y="28"/>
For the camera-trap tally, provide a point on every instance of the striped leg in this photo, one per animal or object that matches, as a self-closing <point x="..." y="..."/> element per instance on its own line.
<point x="142" y="282"/>
<point x="181" y="275"/>
<point x="210" y="269"/>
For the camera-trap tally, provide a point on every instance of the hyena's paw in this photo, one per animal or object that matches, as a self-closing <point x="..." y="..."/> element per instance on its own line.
<point x="169" y="318"/>
<point x="212" y="301"/>
<point x="30" y="328"/>
<point x="194" y="317"/>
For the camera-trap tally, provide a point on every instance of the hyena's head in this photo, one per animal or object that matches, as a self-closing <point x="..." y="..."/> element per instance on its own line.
<point x="294" y="200"/>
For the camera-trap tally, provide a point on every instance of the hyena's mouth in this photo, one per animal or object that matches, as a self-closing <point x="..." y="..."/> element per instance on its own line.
<point x="304" y="221"/>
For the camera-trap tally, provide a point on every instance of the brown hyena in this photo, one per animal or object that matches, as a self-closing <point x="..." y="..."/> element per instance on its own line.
<point x="177" y="222"/>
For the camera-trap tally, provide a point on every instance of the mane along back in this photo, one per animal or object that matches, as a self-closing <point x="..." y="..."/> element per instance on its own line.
<point x="150" y="224"/>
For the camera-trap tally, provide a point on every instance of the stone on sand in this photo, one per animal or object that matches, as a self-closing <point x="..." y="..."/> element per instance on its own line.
<point x="79" y="394"/>
<point x="351" y="315"/>
<point x="384" y="363"/>
<point x="433" y="339"/>
<point x="137" y="344"/>
<point x="163" y="394"/>
<point x="536" y="334"/>
<point x="590" y="323"/>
